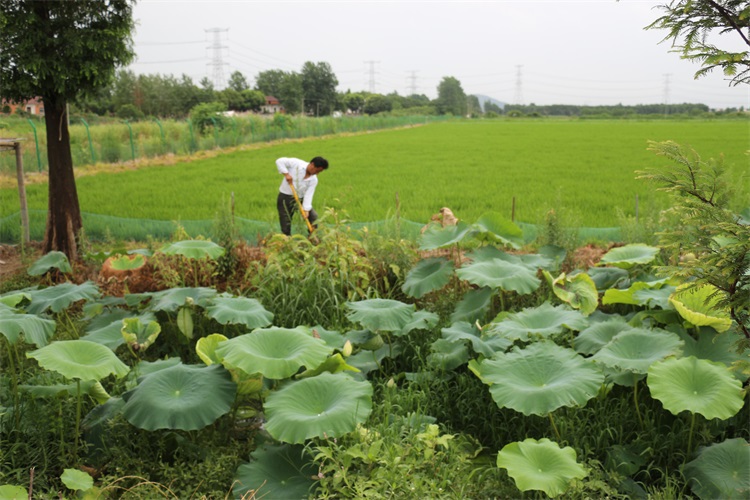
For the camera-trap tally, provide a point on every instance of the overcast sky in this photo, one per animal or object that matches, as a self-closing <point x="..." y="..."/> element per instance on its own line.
<point x="517" y="51"/>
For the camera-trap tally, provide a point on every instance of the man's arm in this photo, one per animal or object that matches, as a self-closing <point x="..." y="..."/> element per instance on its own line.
<point x="283" y="165"/>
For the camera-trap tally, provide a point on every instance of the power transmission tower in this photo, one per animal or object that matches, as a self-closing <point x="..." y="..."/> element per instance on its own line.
<point x="371" y="74"/>
<point x="519" y="86"/>
<point x="667" y="76"/>
<point x="413" y="86"/>
<point x="217" y="63"/>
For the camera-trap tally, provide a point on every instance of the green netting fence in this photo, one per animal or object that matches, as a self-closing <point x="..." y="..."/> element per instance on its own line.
<point x="123" y="141"/>
<point x="105" y="227"/>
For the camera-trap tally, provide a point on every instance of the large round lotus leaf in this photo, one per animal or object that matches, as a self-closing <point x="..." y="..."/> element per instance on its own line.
<point x="127" y="262"/>
<point x="53" y="260"/>
<point x="275" y="471"/>
<point x="544" y="321"/>
<point x="579" y="291"/>
<point x="473" y="306"/>
<point x="495" y="228"/>
<point x="607" y="277"/>
<point x="502" y="274"/>
<point x="59" y="297"/>
<point x="721" y="470"/>
<point x="239" y="311"/>
<point x="489" y="253"/>
<point x="541" y="378"/>
<point x="636" y="349"/>
<point x="486" y="344"/>
<point x="420" y="320"/>
<point x="185" y="397"/>
<point x="628" y="256"/>
<point x="698" y="306"/>
<point x="35" y="330"/>
<point x="173" y="298"/>
<point x="329" y="405"/>
<point x="428" y="275"/>
<point x="696" y="385"/>
<point x="380" y="314"/>
<point x="438" y="237"/>
<point x="596" y="336"/>
<point x="715" y="347"/>
<point x="276" y="353"/>
<point x="540" y="465"/>
<point x="79" y="359"/>
<point x="194" y="249"/>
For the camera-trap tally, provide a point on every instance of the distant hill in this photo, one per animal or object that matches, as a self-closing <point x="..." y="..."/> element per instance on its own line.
<point x="484" y="98"/>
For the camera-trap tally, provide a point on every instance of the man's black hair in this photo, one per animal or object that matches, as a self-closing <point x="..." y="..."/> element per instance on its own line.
<point x="320" y="162"/>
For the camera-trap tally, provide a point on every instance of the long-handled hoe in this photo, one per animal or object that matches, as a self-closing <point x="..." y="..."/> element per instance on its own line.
<point x="301" y="211"/>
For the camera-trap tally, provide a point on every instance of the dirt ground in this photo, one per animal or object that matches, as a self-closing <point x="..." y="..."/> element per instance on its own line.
<point x="12" y="260"/>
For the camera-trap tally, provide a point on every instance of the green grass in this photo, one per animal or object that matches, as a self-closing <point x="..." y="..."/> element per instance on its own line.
<point x="585" y="170"/>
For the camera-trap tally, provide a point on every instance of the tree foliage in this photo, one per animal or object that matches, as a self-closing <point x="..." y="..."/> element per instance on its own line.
<point x="690" y="23"/>
<point x="451" y="97"/>
<point x="718" y="238"/>
<point x="319" y="88"/>
<point x="59" y="51"/>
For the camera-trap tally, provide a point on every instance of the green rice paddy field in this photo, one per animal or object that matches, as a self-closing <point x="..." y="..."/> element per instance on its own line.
<point x="585" y="170"/>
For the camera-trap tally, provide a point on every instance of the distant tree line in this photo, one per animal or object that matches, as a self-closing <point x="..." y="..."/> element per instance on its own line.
<point x="616" y="111"/>
<point x="311" y="91"/>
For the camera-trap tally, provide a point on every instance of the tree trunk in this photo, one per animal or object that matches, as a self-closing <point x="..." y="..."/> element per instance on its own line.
<point x="63" y="213"/>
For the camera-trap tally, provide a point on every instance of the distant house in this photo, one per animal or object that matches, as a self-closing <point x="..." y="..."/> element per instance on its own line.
<point x="272" y="105"/>
<point x="34" y="106"/>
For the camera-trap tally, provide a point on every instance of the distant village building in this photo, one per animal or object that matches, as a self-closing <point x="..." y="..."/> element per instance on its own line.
<point x="34" y="106"/>
<point x="272" y="105"/>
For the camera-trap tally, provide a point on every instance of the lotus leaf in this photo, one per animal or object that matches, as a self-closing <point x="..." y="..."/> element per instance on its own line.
<point x="380" y="314"/>
<point x="420" y="320"/>
<point x="106" y="329"/>
<point x="596" y="336"/>
<point x="367" y="361"/>
<point x="172" y="299"/>
<point x="554" y="254"/>
<point x="637" y="294"/>
<point x="544" y="321"/>
<point x="578" y="291"/>
<point x="275" y="471"/>
<point x="331" y="337"/>
<point x="495" y="228"/>
<point x="439" y="237"/>
<point x="636" y="349"/>
<point x="696" y="385"/>
<point x="52" y="260"/>
<point x="13" y="299"/>
<point x="59" y="297"/>
<point x="607" y="277"/>
<point x="185" y="321"/>
<point x="146" y="368"/>
<point x="714" y="347"/>
<point x="75" y="479"/>
<point x="79" y="359"/>
<point x="427" y="276"/>
<point x="540" y="465"/>
<point x="541" y="378"/>
<point x="194" y="249"/>
<point x="498" y="273"/>
<point x="447" y="355"/>
<point x="698" y="305"/>
<point x="140" y="336"/>
<point x="128" y="262"/>
<point x="329" y="405"/>
<point x="486" y="344"/>
<point x="276" y="353"/>
<point x="35" y="330"/>
<point x="721" y="470"/>
<point x="239" y="311"/>
<point x="334" y="364"/>
<point x="185" y="397"/>
<point x="628" y="256"/>
<point x="51" y="391"/>
<point x="206" y="348"/>
<point x="473" y="306"/>
<point x="12" y="492"/>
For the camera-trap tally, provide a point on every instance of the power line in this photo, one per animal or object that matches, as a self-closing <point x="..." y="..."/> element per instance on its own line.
<point x="371" y="73"/>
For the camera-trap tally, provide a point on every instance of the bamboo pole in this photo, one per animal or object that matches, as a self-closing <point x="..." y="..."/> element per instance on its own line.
<point x="22" y="193"/>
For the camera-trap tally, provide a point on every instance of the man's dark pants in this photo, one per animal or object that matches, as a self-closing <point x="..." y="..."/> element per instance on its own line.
<point x="287" y="206"/>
